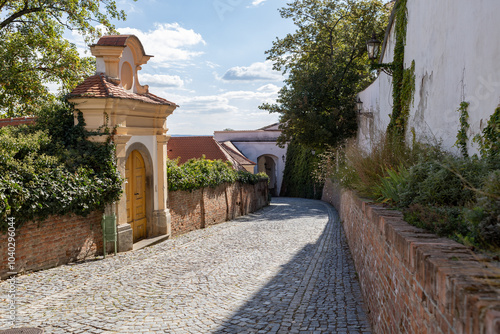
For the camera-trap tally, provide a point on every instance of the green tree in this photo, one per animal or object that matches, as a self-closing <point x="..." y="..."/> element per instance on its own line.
<point x="35" y="53"/>
<point x="327" y="65"/>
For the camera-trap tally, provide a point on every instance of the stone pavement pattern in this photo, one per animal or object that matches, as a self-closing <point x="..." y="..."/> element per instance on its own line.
<point x="285" y="269"/>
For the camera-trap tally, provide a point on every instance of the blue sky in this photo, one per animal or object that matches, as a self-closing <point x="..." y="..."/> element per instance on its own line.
<point x="209" y="58"/>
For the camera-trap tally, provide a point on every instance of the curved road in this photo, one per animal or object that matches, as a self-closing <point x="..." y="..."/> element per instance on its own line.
<point x="284" y="269"/>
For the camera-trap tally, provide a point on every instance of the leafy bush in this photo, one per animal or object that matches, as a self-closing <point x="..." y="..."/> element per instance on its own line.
<point x="448" y="182"/>
<point x="51" y="168"/>
<point x="202" y="173"/>
<point x="391" y="187"/>
<point x="457" y="197"/>
<point x="364" y="172"/>
<point x="489" y="140"/>
<point x="443" y="221"/>
<point x="486" y="212"/>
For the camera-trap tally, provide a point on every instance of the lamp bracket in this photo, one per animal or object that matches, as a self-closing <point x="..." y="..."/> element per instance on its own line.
<point x="387" y="68"/>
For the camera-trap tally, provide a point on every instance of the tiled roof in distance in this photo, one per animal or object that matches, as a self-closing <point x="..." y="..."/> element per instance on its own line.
<point x="15" y="121"/>
<point x="187" y="148"/>
<point x="99" y="86"/>
<point x="236" y="154"/>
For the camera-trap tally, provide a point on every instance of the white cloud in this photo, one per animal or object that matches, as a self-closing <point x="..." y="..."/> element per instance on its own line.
<point x="168" y="43"/>
<point x="211" y="104"/>
<point x="254" y="72"/>
<point x="269" y="88"/>
<point x="256" y="3"/>
<point x="161" y="80"/>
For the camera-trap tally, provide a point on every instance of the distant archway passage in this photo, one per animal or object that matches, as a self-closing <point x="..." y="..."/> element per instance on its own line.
<point x="135" y="188"/>
<point x="267" y="164"/>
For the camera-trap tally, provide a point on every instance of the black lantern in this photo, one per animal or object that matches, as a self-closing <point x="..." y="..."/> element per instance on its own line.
<point x="359" y="105"/>
<point x="373" y="45"/>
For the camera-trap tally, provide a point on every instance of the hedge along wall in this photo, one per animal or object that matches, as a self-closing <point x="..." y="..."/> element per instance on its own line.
<point x="55" y="241"/>
<point x="209" y="206"/>
<point x="414" y="281"/>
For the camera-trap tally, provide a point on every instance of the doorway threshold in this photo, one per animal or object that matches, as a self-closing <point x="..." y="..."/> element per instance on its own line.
<point x="149" y="242"/>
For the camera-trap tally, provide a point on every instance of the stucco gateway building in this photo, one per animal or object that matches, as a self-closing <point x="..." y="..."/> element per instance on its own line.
<point x="114" y="97"/>
<point x="260" y="146"/>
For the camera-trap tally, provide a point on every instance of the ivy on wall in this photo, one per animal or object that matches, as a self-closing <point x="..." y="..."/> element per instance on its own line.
<point x="462" y="137"/>
<point x="50" y="168"/>
<point x="403" y="80"/>
<point x="489" y="141"/>
<point x="298" y="179"/>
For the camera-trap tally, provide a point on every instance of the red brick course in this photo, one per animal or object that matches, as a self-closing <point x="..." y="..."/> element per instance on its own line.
<point x="209" y="206"/>
<point x="55" y="241"/>
<point x="413" y="281"/>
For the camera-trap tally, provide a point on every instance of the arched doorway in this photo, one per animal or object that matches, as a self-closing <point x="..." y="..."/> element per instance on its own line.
<point x="135" y="190"/>
<point x="267" y="164"/>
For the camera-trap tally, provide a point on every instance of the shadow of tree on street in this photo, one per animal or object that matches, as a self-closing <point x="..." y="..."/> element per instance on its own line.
<point x="316" y="292"/>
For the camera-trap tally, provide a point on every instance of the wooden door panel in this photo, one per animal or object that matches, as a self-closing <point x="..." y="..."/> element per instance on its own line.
<point x="128" y="189"/>
<point x="136" y="195"/>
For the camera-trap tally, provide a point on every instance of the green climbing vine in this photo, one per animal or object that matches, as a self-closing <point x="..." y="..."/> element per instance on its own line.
<point x="462" y="138"/>
<point x="489" y="140"/>
<point x="403" y="80"/>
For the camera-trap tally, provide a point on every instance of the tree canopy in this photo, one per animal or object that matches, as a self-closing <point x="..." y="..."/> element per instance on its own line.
<point x="34" y="51"/>
<point x="326" y="63"/>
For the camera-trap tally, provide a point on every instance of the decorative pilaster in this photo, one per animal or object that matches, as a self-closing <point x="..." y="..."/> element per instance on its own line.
<point x="161" y="216"/>
<point x="125" y="234"/>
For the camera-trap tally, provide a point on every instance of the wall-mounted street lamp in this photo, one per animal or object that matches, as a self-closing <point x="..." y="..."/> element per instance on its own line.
<point x="373" y="46"/>
<point x="359" y="105"/>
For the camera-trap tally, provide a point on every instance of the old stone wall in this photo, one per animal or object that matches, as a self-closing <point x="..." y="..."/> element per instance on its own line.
<point x="208" y="206"/>
<point x="414" y="281"/>
<point x="55" y="241"/>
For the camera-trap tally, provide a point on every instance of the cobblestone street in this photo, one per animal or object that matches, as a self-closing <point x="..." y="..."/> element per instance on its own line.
<point x="284" y="269"/>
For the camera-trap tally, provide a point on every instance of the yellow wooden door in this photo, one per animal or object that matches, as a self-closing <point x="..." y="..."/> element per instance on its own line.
<point x="135" y="190"/>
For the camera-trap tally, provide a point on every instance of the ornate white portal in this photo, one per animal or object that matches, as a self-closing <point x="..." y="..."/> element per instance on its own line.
<point x="114" y="97"/>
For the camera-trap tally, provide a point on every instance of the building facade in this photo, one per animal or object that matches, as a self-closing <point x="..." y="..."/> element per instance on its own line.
<point x="260" y="146"/>
<point x="113" y="97"/>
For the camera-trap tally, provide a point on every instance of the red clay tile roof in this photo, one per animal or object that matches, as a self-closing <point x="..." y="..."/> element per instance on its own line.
<point x="186" y="148"/>
<point x="15" y="121"/>
<point x="118" y="40"/>
<point x="194" y="147"/>
<point x="113" y="40"/>
<point x="99" y="86"/>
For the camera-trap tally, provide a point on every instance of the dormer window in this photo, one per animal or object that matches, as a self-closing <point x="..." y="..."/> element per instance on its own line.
<point x="127" y="76"/>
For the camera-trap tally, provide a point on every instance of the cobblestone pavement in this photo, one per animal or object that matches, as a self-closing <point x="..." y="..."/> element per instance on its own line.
<point x="285" y="269"/>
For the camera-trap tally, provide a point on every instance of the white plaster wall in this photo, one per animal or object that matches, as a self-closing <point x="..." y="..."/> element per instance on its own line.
<point x="253" y="150"/>
<point x="127" y="56"/>
<point x="151" y="145"/>
<point x="255" y="135"/>
<point x="456" y="50"/>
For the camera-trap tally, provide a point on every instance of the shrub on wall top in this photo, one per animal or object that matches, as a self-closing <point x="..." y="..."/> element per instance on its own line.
<point x="203" y="173"/>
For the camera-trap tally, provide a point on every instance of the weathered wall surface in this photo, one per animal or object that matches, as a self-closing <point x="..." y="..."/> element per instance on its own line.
<point x="209" y="206"/>
<point x="58" y="240"/>
<point x="414" y="281"/>
<point x="454" y="44"/>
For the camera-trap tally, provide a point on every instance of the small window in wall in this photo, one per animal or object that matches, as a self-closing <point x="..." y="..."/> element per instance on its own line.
<point x="127" y="77"/>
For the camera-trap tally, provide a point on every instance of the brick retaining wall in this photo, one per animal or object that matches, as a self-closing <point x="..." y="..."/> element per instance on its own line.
<point x="414" y="281"/>
<point x="63" y="239"/>
<point x="58" y="240"/>
<point x="204" y="207"/>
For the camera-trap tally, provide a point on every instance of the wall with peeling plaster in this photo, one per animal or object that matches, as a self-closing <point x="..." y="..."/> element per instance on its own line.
<point x="456" y="50"/>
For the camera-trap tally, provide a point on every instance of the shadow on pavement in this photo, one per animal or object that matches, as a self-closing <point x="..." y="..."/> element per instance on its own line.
<point x="316" y="292"/>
